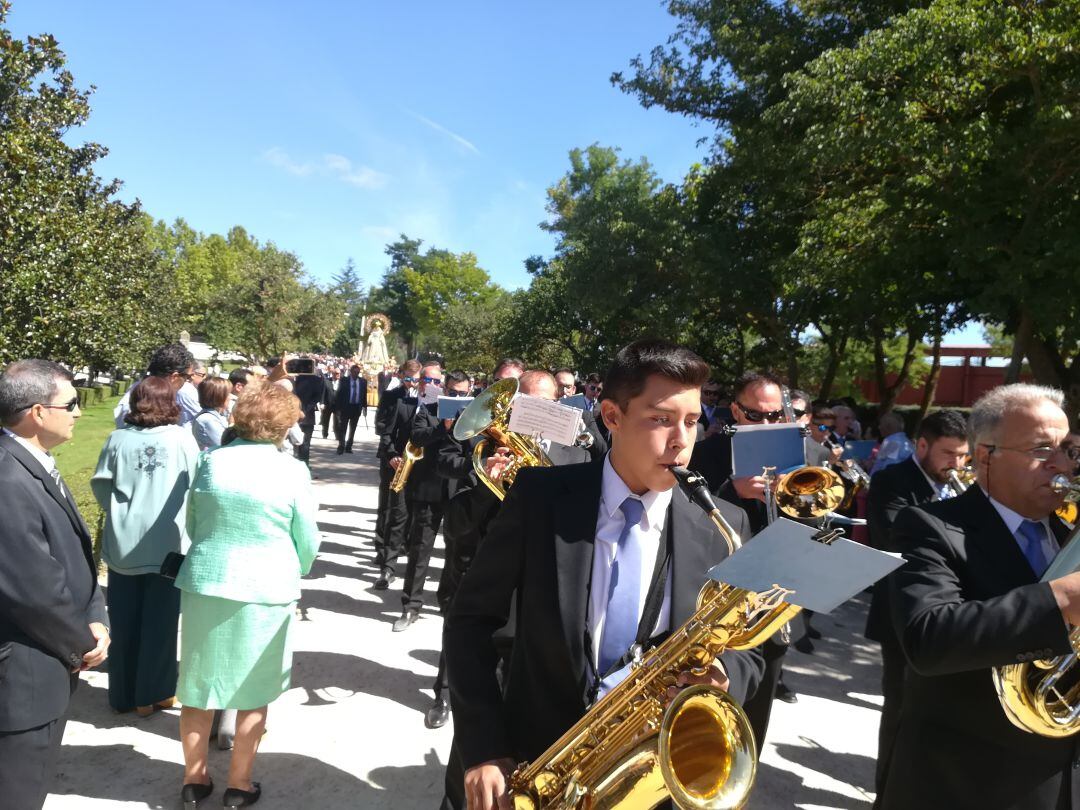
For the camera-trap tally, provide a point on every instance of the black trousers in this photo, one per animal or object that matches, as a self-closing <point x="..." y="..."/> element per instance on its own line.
<point x="390" y="523"/>
<point x="424" y="520"/>
<point x="893" y="666"/>
<point x="328" y="414"/>
<point x="759" y="707"/>
<point x="28" y="764"/>
<point x="345" y="427"/>
<point x="144" y="611"/>
<point x="302" y="451"/>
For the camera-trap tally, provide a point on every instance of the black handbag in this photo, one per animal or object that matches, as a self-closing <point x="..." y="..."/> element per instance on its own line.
<point x="170" y="566"/>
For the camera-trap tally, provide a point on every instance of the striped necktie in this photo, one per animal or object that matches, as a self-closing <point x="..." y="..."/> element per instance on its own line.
<point x="54" y="473"/>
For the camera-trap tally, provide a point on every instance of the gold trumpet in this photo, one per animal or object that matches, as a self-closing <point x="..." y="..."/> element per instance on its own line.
<point x="961" y="479"/>
<point x="1071" y="490"/>
<point x="1043" y="697"/>
<point x="409" y="456"/>
<point x="804" y="493"/>
<point x="489" y="414"/>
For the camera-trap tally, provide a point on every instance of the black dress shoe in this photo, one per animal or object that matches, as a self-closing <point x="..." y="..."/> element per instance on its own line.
<point x="814" y="634"/>
<point x="384" y="580"/>
<point x="194" y="793"/>
<point x="804" y="645"/>
<point x="407" y="618"/>
<point x="785" y="694"/>
<point x="234" y="797"/>
<point x="341" y="451"/>
<point x="348" y="449"/>
<point x="438" y="713"/>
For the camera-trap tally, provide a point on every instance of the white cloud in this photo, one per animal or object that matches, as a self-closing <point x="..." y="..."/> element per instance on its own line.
<point x="332" y="165"/>
<point x="441" y="129"/>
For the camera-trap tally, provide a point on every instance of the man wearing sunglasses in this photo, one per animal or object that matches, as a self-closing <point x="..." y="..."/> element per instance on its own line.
<point x="970" y="598"/>
<point x="53" y="622"/>
<point x="172" y="362"/>
<point x="393" y="425"/>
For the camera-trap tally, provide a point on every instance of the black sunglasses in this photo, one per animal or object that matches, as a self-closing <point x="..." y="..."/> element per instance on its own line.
<point x="432" y="380"/>
<point x="67" y="406"/>
<point x="456" y="393"/>
<point x="408" y="379"/>
<point x="759" y="416"/>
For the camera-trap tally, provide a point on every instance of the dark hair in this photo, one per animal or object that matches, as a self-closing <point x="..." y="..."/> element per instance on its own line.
<point x="173" y="358"/>
<point x="594" y="378"/>
<point x="26" y="383"/>
<point x="455" y="376"/>
<point x="153" y="404"/>
<point x="508" y="362"/>
<point x="213" y="393"/>
<point x="822" y="411"/>
<point x="628" y="374"/>
<point x="409" y="367"/>
<point x="751" y="378"/>
<point x="239" y="376"/>
<point x="565" y="370"/>
<point x="943" y="424"/>
<point x="798" y="393"/>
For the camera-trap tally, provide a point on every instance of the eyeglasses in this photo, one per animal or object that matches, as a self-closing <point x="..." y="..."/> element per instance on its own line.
<point x="823" y="428"/>
<point x="432" y="380"/>
<point x="758" y="416"/>
<point x="1043" y="452"/>
<point x="710" y="393"/>
<point x="593" y="387"/>
<point x="408" y="379"/>
<point x="455" y="393"/>
<point x="67" y="406"/>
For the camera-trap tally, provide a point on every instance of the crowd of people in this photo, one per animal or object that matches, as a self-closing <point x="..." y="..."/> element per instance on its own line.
<point x="554" y="576"/>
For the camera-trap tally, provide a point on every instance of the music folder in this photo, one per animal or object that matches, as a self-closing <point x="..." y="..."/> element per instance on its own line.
<point x="821" y="577"/>
<point x="754" y="447"/>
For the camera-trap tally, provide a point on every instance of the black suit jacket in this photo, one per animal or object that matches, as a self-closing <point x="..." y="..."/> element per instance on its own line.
<point x="48" y="592"/>
<point x="428" y="432"/>
<point x="892" y="490"/>
<point x="310" y="389"/>
<point x="965" y="601"/>
<point x="540" y="548"/>
<point x="341" y="398"/>
<point x="600" y="440"/>
<point x="393" y="422"/>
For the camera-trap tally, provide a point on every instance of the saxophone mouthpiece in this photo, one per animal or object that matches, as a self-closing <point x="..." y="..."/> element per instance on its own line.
<point x="695" y="486"/>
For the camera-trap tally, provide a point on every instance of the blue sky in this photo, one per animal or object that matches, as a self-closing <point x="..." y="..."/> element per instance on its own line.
<point x="330" y="127"/>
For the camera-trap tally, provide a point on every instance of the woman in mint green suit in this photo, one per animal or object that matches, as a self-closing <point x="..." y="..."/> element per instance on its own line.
<point x="251" y="520"/>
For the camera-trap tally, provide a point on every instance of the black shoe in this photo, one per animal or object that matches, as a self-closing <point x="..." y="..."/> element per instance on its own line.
<point x="804" y="645"/>
<point x="348" y="449"/>
<point x="341" y="451"/>
<point x="407" y="618"/>
<point x="194" y="793"/>
<point x="785" y="694"/>
<point x="234" y="797"/>
<point x="384" y="580"/>
<point x="814" y="634"/>
<point x="438" y="713"/>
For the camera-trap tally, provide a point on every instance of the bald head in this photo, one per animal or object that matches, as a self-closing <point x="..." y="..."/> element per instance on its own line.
<point x="538" y="383"/>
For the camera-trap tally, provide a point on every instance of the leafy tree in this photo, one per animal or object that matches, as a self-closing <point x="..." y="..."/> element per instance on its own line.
<point x="348" y="286"/>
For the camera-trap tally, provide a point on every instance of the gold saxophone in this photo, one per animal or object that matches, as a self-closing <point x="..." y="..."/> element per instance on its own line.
<point x="409" y="456"/>
<point x="633" y="749"/>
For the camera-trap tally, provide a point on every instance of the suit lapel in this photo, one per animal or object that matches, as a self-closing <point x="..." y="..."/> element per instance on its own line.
<point x="33" y="466"/>
<point x="991" y="537"/>
<point x="575" y="535"/>
<point x="687" y="573"/>
<point x="921" y="490"/>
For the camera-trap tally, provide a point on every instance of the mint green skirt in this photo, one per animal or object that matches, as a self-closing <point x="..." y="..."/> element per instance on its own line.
<point x="233" y="655"/>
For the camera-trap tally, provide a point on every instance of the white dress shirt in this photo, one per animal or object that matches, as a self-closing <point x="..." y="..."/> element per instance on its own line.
<point x="45" y="459"/>
<point x="187" y="398"/>
<point x="609" y="525"/>
<point x="1014" y="519"/>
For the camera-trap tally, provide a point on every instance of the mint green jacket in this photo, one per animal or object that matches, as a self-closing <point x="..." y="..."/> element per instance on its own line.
<point x="251" y="520"/>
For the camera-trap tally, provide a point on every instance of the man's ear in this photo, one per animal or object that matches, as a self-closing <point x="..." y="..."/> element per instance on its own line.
<point x="611" y="413"/>
<point x="981" y="455"/>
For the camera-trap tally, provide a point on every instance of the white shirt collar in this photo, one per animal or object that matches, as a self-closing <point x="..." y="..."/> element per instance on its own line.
<point x="614" y="491"/>
<point x="1013" y="519"/>
<point x="46" y="460"/>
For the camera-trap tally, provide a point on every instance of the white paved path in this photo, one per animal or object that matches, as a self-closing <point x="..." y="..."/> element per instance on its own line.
<point x="350" y="732"/>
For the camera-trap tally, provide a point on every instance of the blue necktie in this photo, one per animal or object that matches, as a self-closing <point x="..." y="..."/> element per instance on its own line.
<point x="624" y="588"/>
<point x="1033" y="534"/>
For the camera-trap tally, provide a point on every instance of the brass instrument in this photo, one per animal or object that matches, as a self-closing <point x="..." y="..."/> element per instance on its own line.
<point x="960" y="480"/>
<point x="806" y="492"/>
<point x="857" y="478"/>
<point x="631" y="751"/>
<point x="489" y="414"/>
<point x="1071" y="490"/>
<point x="1043" y="697"/>
<point x="409" y="456"/>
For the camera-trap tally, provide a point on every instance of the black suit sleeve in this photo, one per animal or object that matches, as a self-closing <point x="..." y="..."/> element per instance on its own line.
<point x="453" y="461"/>
<point x="384" y="424"/>
<point x="744" y="668"/>
<point x="482" y="606"/>
<point x="941" y="631"/>
<point x="34" y="596"/>
<point x="885" y="500"/>
<point x="427" y="428"/>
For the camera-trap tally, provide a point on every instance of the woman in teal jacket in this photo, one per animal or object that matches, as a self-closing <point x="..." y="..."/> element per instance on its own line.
<point x="142" y="480"/>
<point x="251" y="520"/>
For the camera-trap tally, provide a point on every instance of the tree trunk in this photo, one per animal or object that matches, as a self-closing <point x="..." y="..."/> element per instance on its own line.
<point x="832" y="368"/>
<point x="889" y="393"/>
<point x="931" y="382"/>
<point x="1021" y="341"/>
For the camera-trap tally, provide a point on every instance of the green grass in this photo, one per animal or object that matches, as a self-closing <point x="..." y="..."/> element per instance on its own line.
<point x="77" y="459"/>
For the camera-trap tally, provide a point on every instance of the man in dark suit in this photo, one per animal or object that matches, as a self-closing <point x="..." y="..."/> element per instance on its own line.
<point x="942" y="446"/>
<point x="330" y="382"/>
<point x="969" y="598"/>
<point x="426" y="489"/>
<point x="393" y="425"/>
<point x="310" y="388"/>
<point x="53" y="622"/>
<point x="577" y="546"/>
<point x="349" y="404"/>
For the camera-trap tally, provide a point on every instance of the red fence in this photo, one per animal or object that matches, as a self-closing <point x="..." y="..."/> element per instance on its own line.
<point x="958" y="385"/>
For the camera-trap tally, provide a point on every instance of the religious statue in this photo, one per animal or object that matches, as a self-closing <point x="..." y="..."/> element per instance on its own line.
<point x="374" y="353"/>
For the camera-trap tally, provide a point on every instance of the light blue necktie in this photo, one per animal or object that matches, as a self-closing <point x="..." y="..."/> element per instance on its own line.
<point x="1033" y="534"/>
<point x="624" y="588"/>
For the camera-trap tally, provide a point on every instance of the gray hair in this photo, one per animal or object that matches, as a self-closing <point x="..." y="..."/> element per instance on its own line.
<point x="198" y="367"/>
<point x="991" y="407"/>
<point x="890" y="423"/>
<point x="26" y="383"/>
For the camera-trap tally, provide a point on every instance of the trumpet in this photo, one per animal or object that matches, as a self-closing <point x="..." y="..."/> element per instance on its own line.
<point x="960" y="480"/>
<point x="1071" y="490"/>
<point x="804" y="493"/>
<point x="409" y="456"/>
<point x="489" y="414"/>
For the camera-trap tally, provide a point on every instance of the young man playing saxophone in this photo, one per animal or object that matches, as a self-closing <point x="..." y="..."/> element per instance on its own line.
<point x="578" y="545"/>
